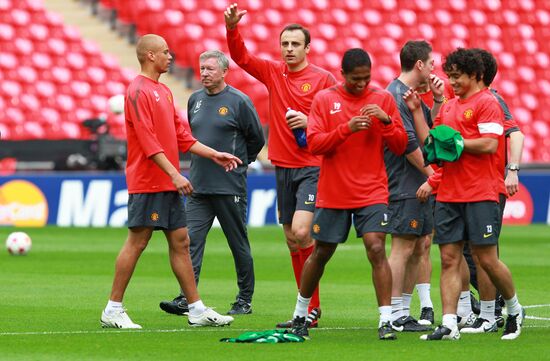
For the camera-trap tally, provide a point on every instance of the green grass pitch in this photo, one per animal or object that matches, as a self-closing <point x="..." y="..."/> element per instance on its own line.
<point x="51" y="301"/>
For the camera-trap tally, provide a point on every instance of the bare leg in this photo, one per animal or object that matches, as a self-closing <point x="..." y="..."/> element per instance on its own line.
<point x="137" y="240"/>
<point x="180" y="260"/>
<point x="451" y="282"/>
<point x="315" y="266"/>
<point x="381" y="273"/>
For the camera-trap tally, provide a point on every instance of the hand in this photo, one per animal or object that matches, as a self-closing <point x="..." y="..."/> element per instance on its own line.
<point x="232" y="16"/>
<point x="373" y="110"/>
<point x="412" y="99"/>
<point x="182" y="184"/>
<point x="437" y="86"/>
<point x="424" y="192"/>
<point x="512" y="183"/>
<point x="297" y="121"/>
<point x="360" y="122"/>
<point x="226" y="160"/>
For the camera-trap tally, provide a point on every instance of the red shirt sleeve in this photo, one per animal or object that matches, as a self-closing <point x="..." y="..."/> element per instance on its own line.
<point x="140" y="113"/>
<point x="435" y="179"/>
<point x="490" y="119"/>
<point x="184" y="137"/>
<point x="320" y="139"/>
<point x="257" y="67"/>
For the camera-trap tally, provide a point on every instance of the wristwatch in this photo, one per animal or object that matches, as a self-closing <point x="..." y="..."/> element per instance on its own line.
<point x="513" y="166"/>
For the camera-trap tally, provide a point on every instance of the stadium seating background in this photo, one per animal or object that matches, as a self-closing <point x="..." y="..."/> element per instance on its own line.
<point x="51" y="79"/>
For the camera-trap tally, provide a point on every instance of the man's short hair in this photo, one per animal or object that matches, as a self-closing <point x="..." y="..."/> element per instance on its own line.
<point x="223" y="62"/>
<point x="412" y="52"/>
<point x="291" y="27"/>
<point x="489" y="64"/>
<point x="354" y="58"/>
<point x="465" y="61"/>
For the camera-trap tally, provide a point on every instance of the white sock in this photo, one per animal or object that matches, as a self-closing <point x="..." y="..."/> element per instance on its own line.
<point x="385" y="314"/>
<point x="423" y="290"/>
<point x="513" y="306"/>
<point x="464" y="305"/>
<point x="487" y="310"/>
<point x="301" y="306"/>
<point x="396" y="308"/>
<point x="407" y="297"/>
<point x="449" y="321"/>
<point x="113" y="306"/>
<point x="196" y="308"/>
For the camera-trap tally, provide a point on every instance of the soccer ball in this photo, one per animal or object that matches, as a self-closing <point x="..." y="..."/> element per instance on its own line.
<point x="18" y="243"/>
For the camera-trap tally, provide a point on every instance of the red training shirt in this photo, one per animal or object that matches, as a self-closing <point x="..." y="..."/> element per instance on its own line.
<point x="286" y="89"/>
<point x="473" y="177"/>
<point x="152" y="126"/>
<point x="353" y="173"/>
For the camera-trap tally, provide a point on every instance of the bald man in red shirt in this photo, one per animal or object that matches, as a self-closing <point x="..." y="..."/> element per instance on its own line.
<point x="156" y="187"/>
<point x="349" y="125"/>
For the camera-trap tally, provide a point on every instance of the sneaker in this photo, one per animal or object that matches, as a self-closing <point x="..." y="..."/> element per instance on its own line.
<point x="500" y="321"/>
<point x="442" y="333"/>
<point x="463" y="322"/>
<point x="300" y="327"/>
<point x="178" y="306"/>
<point x="117" y="319"/>
<point x="481" y="326"/>
<point x="476" y="306"/>
<point x="314" y="317"/>
<point x="209" y="318"/>
<point x="240" y="307"/>
<point x="408" y="324"/>
<point x="512" y="329"/>
<point x="386" y="332"/>
<point x="426" y="316"/>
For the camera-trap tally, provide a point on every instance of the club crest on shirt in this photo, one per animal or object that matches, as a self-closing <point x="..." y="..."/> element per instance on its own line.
<point x="316" y="228"/>
<point x="154" y="216"/>
<point x="414" y="224"/>
<point x="306" y="87"/>
<point x="468" y="114"/>
<point x="169" y="98"/>
<point x="223" y="111"/>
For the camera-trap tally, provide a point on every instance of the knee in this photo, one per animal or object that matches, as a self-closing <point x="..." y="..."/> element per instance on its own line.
<point x="450" y="260"/>
<point x="301" y="234"/>
<point x="292" y="245"/>
<point x="376" y="252"/>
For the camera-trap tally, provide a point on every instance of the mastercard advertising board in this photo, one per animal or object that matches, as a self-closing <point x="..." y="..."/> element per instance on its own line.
<point x="101" y="200"/>
<point x="22" y="204"/>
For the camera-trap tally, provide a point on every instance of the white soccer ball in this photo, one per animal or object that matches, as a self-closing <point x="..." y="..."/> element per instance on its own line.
<point x="18" y="243"/>
<point x="116" y="104"/>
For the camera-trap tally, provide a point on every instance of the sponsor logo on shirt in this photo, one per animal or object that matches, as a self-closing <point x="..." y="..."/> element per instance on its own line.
<point x="306" y="87"/>
<point x="468" y="114"/>
<point x="316" y="228"/>
<point x="154" y="216"/>
<point x="336" y="107"/>
<point x="223" y="111"/>
<point x="197" y="106"/>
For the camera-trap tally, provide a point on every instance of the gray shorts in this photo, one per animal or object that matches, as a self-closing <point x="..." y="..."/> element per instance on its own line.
<point x="163" y="210"/>
<point x="296" y="191"/>
<point x="411" y="217"/>
<point x="333" y="225"/>
<point x="477" y="222"/>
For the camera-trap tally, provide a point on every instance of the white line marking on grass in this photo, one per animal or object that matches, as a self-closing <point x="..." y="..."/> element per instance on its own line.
<point x="537" y="306"/>
<point x="207" y="329"/>
<point x="537" y="318"/>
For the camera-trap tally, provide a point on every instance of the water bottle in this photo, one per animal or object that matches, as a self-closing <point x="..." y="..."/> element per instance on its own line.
<point x="299" y="133"/>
